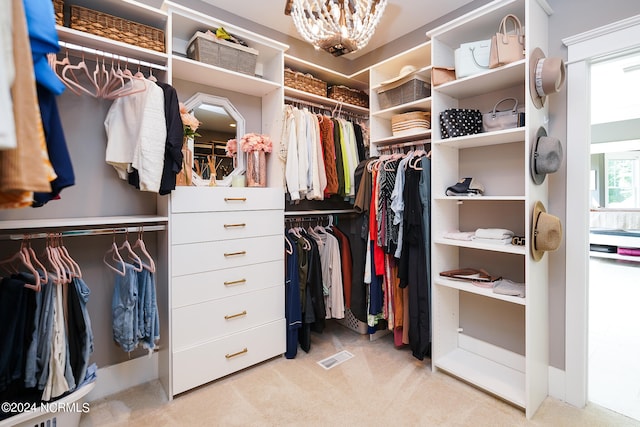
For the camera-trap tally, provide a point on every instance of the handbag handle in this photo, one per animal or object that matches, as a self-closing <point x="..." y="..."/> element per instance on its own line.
<point x="473" y="56"/>
<point x="514" y="110"/>
<point x="517" y="28"/>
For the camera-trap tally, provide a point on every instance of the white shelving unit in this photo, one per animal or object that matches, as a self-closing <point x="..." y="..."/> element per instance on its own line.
<point x="497" y="343"/>
<point x="380" y="124"/>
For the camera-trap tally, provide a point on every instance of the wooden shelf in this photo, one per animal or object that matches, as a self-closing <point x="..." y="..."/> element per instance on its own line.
<point x="485" y="292"/>
<point x="496" y="378"/>
<point x="81" y="38"/>
<point x="482" y="198"/>
<point x="94" y="222"/>
<point x="596" y="254"/>
<point x="382" y="142"/>
<point x="508" y="249"/>
<point x="484" y="139"/>
<point x="423" y="104"/>
<point x="210" y="75"/>
<point x="492" y="80"/>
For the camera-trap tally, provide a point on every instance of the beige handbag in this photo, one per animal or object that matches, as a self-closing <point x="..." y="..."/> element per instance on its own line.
<point x="442" y="75"/>
<point x="506" y="48"/>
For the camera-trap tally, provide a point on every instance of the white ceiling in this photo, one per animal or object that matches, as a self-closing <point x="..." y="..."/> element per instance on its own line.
<point x="400" y="17"/>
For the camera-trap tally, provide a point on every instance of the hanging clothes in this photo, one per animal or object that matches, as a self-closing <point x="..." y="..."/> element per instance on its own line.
<point x="293" y="304"/>
<point x="172" y="163"/>
<point x="25" y="169"/>
<point x="136" y="134"/>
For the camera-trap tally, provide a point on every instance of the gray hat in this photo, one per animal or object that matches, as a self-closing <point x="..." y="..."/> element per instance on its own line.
<point x="546" y="156"/>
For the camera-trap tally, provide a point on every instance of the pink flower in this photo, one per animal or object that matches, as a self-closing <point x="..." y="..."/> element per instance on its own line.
<point x="232" y="147"/>
<point x="189" y="123"/>
<point x="256" y="142"/>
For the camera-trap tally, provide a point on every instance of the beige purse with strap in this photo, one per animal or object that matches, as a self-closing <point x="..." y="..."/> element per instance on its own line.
<point x="507" y="48"/>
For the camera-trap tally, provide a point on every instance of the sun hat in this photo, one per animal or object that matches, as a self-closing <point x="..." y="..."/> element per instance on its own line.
<point x="546" y="76"/>
<point x="546" y="156"/>
<point x="546" y="232"/>
<point x="404" y="72"/>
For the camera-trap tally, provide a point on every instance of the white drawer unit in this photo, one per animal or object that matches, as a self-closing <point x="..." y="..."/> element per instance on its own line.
<point x="207" y="256"/>
<point x="196" y="288"/>
<point x="200" y="364"/>
<point x="227" y="281"/>
<point x="199" y="323"/>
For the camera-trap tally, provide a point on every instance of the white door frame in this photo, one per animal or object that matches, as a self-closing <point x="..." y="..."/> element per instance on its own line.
<point x="582" y="50"/>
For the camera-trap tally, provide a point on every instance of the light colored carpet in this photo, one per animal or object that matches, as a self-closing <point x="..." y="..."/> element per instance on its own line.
<point x="379" y="386"/>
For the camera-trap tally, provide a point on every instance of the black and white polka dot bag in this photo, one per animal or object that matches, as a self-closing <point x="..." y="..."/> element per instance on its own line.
<point x="459" y="122"/>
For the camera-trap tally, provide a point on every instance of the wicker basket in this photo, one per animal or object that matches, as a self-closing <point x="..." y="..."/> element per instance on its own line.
<point x="221" y="53"/>
<point x="403" y="92"/>
<point x="304" y="82"/>
<point x="350" y="96"/>
<point x="112" y="27"/>
<point x="58" y="9"/>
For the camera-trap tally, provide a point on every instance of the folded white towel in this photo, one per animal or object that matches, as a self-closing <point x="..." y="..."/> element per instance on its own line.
<point x="508" y="287"/>
<point x="492" y="241"/>
<point x="494" y="233"/>
<point x="459" y="235"/>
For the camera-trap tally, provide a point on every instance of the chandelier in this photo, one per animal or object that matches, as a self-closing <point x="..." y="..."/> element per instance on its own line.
<point x="337" y="26"/>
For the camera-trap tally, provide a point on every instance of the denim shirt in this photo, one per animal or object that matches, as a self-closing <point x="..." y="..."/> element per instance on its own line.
<point x="124" y="306"/>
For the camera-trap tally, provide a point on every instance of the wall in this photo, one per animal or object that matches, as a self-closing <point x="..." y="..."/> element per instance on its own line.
<point x="564" y="23"/>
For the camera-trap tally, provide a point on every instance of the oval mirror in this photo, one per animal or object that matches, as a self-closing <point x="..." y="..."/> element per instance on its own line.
<point x="220" y="122"/>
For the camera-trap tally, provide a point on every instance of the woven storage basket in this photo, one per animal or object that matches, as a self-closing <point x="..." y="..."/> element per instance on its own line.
<point x="112" y="27"/>
<point x="304" y="82"/>
<point x="350" y="96"/>
<point x="221" y="53"/>
<point x="403" y="92"/>
<point x="58" y="9"/>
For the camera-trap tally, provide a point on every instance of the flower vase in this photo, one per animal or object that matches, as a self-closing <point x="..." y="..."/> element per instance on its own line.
<point x="256" y="169"/>
<point x="185" y="177"/>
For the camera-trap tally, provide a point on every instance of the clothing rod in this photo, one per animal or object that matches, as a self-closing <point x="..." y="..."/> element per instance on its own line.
<point x="85" y="232"/>
<point x="326" y="107"/>
<point x="91" y="51"/>
<point x="321" y="212"/>
<point x="404" y="144"/>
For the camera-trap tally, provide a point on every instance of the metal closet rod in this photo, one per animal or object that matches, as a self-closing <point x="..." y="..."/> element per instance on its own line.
<point x="390" y="147"/>
<point x="91" y="51"/>
<point x="320" y="212"/>
<point x="85" y="232"/>
<point x="326" y="107"/>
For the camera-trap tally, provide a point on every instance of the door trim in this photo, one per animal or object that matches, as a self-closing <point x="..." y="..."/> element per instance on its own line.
<point x="583" y="48"/>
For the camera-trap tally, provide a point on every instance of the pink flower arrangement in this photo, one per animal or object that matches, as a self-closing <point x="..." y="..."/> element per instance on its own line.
<point x="256" y="142"/>
<point x="232" y="147"/>
<point x="189" y="123"/>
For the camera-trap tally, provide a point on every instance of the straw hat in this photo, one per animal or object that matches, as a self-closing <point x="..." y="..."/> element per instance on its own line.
<point x="404" y="72"/>
<point x="546" y="76"/>
<point x="546" y="232"/>
<point x="546" y="156"/>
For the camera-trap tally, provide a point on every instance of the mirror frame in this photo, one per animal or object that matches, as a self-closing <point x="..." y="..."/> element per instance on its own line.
<point x="204" y="98"/>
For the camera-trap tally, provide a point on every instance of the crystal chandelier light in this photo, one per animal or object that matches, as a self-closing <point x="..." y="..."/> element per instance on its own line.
<point x="337" y="26"/>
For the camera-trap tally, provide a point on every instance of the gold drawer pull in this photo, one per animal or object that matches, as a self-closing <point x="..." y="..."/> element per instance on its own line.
<point x="228" y="254"/>
<point x="233" y="316"/>
<point x="243" y="351"/>
<point x="234" y="282"/>
<point x="242" y="224"/>
<point x="235" y="199"/>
